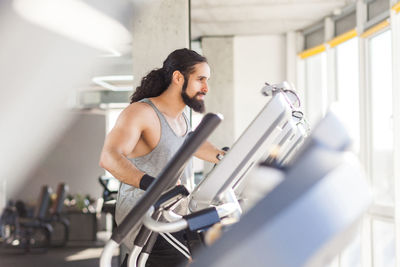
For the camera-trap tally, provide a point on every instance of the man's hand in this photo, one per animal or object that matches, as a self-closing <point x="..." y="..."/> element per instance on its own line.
<point x="209" y="152"/>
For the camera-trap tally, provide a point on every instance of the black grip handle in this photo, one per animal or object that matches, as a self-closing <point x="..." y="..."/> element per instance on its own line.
<point x="172" y="196"/>
<point x="150" y="243"/>
<point x="144" y="232"/>
<point x="142" y="236"/>
<point x="202" y="219"/>
<point x="175" y="165"/>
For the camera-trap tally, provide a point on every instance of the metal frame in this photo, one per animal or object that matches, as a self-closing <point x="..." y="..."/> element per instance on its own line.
<point x="316" y="180"/>
<point x="254" y="144"/>
<point x="274" y="125"/>
<point x="270" y="127"/>
<point x="167" y="177"/>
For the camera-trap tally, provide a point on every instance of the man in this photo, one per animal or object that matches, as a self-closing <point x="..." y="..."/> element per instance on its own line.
<point x="149" y="132"/>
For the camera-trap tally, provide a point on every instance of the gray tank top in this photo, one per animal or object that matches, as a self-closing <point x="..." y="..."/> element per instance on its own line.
<point x="153" y="163"/>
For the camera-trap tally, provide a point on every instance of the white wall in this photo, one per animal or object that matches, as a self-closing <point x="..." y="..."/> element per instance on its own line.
<point x="257" y="59"/>
<point x="221" y="94"/>
<point x="240" y="66"/>
<point x="73" y="160"/>
<point x="40" y="70"/>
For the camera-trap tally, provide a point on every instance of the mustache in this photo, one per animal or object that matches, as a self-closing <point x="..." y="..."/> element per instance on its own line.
<point x="200" y="93"/>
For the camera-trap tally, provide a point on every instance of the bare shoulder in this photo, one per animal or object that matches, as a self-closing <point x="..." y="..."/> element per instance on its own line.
<point x="136" y="114"/>
<point x="138" y="108"/>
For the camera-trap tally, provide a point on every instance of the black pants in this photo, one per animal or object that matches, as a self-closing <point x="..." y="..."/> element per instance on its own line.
<point x="163" y="254"/>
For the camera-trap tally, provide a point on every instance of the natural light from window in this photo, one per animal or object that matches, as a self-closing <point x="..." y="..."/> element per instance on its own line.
<point x="347" y="74"/>
<point x="382" y="117"/>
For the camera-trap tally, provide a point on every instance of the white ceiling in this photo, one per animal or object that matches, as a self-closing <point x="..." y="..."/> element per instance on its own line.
<point x="257" y="17"/>
<point x="228" y="17"/>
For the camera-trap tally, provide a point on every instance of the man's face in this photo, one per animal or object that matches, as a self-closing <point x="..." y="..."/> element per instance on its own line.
<point x="194" y="90"/>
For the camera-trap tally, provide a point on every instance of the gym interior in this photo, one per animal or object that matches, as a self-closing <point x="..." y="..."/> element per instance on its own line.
<point x="69" y="67"/>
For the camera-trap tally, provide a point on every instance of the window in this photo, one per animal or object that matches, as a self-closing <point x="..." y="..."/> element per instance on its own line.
<point x="376" y="8"/>
<point x="351" y="256"/>
<point x="316" y="90"/>
<point x="111" y="118"/>
<point x="380" y="80"/>
<point x="345" y="23"/>
<point x="347" y="73"/>
<point x="376" y="243"/>
<point x="383" y="243"/>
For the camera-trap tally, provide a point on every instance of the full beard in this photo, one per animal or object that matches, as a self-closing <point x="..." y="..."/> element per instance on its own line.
<point x="196" y="104"/>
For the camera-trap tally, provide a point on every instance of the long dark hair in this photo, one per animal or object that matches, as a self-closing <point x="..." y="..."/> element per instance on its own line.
<point x="158" y="80"/>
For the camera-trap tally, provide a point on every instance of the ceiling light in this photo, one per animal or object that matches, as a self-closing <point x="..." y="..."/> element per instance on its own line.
<point x="78" y="21"/>
<point x="107" y="82"/>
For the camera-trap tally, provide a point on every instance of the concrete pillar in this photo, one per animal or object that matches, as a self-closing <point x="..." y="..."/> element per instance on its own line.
<point x="239" y="68"/>
<point x="362" y="14"/>
<point x="300" y="83"/>
<point x="291" y="57"/>
<point x="159" y="27"/>
<point x="221" y="95"/>
<point x="257" y="59"/>
<point x="329" y="31"/>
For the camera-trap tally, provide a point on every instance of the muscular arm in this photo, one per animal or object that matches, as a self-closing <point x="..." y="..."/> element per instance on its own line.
<point x="120" y="142"/>
<point x="208" y="152"/>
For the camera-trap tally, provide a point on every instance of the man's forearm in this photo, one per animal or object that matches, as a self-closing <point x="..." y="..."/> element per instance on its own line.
<point x="209" y="152"/>
<point x="121" y="168"/>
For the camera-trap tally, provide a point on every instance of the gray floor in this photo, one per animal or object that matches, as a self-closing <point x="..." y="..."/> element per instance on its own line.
<point x="76" y="255"/>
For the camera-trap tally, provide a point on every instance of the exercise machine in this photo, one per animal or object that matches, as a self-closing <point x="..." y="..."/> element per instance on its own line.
<point x="217" y="195"/>
<point x="167" y="179"/>
<point x="272" y="135"/>
<point x="272" y="132"/>
<point x="36" y="232"/>
<point x="309" y="217"/>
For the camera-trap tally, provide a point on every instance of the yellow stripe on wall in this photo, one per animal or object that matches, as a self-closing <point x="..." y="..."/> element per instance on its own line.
<point x="312" y="51"/>
<point x="396" y="7"/>
<point x="342" y="38"/>
<point x="375" y="28"/>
